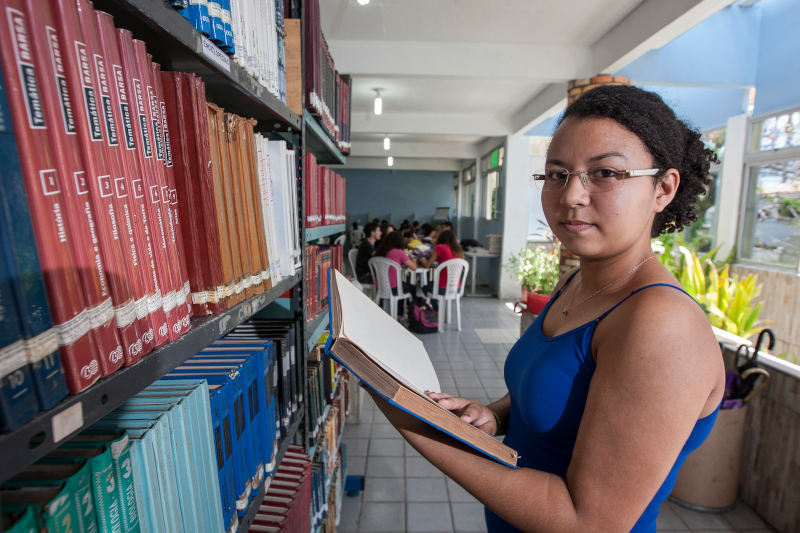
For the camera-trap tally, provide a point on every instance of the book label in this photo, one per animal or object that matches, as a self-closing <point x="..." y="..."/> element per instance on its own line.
<point x="24" y="56"/>
<point x="61" y="80"/>
<point x="81" y="188"/>
<point x="105" y="100"/>
<point x="148" y="148"/>
<point x="49" y="179"/>
<point x="89" y="97"/>
<point x="42" y="345"/>
<point x="124" y="107"/>
<point x="67" y="421"/>
<point x="217" y="56"/>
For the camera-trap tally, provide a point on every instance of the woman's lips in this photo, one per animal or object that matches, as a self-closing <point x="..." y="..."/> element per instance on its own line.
<point x="576" y="226"/>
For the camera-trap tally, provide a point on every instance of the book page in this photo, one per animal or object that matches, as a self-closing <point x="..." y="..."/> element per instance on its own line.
<point x="385" y="340"/>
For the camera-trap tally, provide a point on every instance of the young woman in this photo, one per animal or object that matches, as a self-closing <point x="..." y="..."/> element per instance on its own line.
<point x="391" y="247"/>
<point x="620" y="376"/>
<point x="446" y="248"/>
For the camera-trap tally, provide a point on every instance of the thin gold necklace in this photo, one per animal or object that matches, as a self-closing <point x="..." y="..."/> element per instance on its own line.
<point x="606" y="286"/>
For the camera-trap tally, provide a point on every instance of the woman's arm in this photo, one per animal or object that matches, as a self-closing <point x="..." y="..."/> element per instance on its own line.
<point x="427" y="262"/>
<point x="658" y="369"/>
<point x="410" y="263"/>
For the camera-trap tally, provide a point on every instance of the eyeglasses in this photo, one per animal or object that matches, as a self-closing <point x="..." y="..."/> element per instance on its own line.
<point x="594" y="179"/>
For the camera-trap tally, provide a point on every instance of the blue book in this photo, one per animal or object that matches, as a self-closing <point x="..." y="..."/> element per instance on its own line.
<point x="195" y="393"/>
<point x="226" y="17"/>
<point x="18" y="402"/>
<point x="197" y="14"/>
<point x="18" y="250"/>
<point x="217" y="26"/>
<point x="225" y="456"/>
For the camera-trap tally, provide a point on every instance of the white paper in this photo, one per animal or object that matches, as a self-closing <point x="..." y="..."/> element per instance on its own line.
<point x="387" y="342"/>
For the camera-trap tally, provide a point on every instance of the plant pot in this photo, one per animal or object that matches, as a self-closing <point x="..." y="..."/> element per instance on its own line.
<point x="536" y="302"/>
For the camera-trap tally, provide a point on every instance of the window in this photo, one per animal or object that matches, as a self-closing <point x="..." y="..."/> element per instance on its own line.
<point x="468" y="194"/>
<point x="771" y="229"/>
<point x="700" y="233"/>
<point x="490" y="207"/>
<point x="776" y="132"/>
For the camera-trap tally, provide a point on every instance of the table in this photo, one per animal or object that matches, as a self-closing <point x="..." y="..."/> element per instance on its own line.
<point x="422" y="272"/>
<point x="474" y="257"/>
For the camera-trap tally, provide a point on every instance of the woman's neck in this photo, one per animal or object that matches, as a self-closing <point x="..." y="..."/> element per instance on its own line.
<point x="613" y="271"/>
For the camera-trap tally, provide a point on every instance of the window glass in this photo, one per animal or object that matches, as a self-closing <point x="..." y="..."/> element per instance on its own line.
<point x="771" y="229"/>
<point x="490" y="203"/>
<point x="468" y="200"/>
<point x="776" y="132"/>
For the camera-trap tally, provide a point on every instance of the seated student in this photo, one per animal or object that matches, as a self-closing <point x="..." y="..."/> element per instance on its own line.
<point x="429" y="233"/>
<point x="447" y="225"/>
<point x="365" y="251"/>
<point x="446" y="248"/>
<point x="391" y="247"/>
<point x="356" y="235"/>
<point x="415" y="227"/>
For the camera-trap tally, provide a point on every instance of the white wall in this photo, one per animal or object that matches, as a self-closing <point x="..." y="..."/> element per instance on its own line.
<point x="516" y="208"/>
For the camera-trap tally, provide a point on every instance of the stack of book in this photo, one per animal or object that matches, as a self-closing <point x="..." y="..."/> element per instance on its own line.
<point x="325" y="194"/>
<point x="326" y="495"/>
<point x="287" y="503"/>
<point x="319" y="258"/>
<point x="148" y="466"/>
<point x="327" y="92"/>
<point x="251" y="31"/>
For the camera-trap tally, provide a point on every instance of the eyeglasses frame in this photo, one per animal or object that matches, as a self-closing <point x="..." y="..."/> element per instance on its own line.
<point x="584" y="176"/>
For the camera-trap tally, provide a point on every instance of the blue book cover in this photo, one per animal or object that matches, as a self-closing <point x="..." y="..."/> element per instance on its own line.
<point x="223" y="440"/>
<point x="22" y="267"/>
<point x="232" y="391"/>
<point x="217" y="26"/>
<point x="226" y="17"/>
<point x="197" y="14"/>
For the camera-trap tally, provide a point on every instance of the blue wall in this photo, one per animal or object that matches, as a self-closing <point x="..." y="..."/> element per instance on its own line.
<point x="403" y="194"/>
<point x="778" y="72"/>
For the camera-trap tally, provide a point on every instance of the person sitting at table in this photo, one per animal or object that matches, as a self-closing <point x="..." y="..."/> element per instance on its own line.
<point x="415" y="227"/>
<point x="391" y="247"/>
<point x="447" y="225"/>
<point x="446" y="248"/>
<point x="366" y="250"/>
<point x="428" y="233"/>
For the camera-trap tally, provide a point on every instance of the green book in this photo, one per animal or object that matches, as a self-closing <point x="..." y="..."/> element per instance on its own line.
<point x="24" y="521"/>
<point x="56" y="504"/>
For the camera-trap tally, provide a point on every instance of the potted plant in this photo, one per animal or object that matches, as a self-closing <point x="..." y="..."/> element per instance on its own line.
<point x="536" y="269"/>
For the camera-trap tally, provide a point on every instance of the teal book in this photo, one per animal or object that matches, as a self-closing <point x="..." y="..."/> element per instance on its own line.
<point x="54" y="504"/>
<point x="26" y="521"/>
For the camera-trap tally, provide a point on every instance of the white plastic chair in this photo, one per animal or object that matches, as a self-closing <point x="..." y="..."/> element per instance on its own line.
<point x="379" y="266"/>
<point x="351" y="257"/>
<point x="456" y="271"/>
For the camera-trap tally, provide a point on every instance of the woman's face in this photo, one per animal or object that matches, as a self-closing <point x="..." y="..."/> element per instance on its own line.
<point x="601" y="224"/>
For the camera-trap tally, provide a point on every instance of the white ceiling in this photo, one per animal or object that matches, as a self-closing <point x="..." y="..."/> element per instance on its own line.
<point x="458" y="75"/>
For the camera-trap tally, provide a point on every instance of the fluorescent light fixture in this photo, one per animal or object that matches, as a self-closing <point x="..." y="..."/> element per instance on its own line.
<point x="386" y="143"/>
<point x="378" y="102"/>
<point x="363" y="2"/>
<point x="390" y="161"/>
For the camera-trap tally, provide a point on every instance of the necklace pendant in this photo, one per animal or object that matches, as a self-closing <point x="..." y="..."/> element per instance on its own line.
<point x="564" y="313"/>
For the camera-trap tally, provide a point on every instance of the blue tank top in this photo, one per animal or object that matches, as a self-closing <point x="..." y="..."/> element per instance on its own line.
<point x="548" y="381"/>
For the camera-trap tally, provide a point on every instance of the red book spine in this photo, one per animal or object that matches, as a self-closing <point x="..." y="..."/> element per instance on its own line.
<point x="132" y="250"/>
<point x="43" y="184"/>
<point x="182" y="147"/>
<point x="183" y="290"/>
<point x="80" y="215"/>
<point x="123" y="114"/>
<point x="146" y="193"/>
<point x="83" y="91"/>
<point x="205" y="182"/>
<point x="145" y="66"/>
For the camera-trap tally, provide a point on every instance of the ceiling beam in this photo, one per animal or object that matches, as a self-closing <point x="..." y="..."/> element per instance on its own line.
<point x="401" y="163"/>
<point x="464" y="60"/>
<point x="435" y="150"/>
<point x="431" y="123"/>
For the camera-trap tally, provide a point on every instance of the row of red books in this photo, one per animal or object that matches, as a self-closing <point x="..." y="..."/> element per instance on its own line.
<point x="327" y="92"/>
<point x="319" y="259"/>
<point x="325" y="194"/>
<point x="287" y="502"/>
<point x="147" y="203"/>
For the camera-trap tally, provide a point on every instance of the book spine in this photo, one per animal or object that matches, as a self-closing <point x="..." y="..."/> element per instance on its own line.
<point x="233" y="138"/>
<point x="147" y="295"/>
<point x="230" y="204"/>
<point x="43" y="183"/>
<point x="107" y="508"/>
<point x="196" y="12"/>
<point x="257" y="206"/>
<point x="130" y="244"/>
<point x="183" y="299"/>
<point x="83" y="90"/>
<point x="244" y="147"/>
<point x="126" y="492"/>
<point x="79" y="212"/>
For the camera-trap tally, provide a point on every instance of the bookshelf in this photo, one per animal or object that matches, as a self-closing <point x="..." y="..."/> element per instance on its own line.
<point x="312" y="234"/>
<point x="314" y="329"/>
<point x="176" y="45"/>
<point x="320" y="144"/>
<point x="36" y="438"/>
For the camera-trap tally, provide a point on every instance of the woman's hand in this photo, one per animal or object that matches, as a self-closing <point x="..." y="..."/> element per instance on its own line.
<point x="470" y="411"/>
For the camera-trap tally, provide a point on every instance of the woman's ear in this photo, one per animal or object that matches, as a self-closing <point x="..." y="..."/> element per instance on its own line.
<point x="666" y="188"/>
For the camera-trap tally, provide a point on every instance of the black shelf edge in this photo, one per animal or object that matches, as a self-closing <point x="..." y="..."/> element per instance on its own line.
<point x="247" y="520"/>
<point x="314" y="329"/>
<point x="176" y="45"/>
<point x="320" y="144"/>
<point x="84" y="409"/>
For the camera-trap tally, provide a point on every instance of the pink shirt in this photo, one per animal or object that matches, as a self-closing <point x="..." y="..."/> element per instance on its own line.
<point x="443" y="253"/>
<point x="398" y="256"/>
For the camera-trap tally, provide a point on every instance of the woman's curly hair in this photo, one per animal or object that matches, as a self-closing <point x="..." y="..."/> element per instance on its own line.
<point x="671" y="142"/>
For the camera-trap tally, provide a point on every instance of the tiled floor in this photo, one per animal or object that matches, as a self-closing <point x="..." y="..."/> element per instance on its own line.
<point x="403" y="492"/>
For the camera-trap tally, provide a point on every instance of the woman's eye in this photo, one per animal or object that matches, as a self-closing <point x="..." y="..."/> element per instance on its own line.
<point x="556" y="175"/>
<point x="604" y="173"/>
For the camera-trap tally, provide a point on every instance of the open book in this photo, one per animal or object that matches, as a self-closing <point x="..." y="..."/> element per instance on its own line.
<point x="394" y="363"/>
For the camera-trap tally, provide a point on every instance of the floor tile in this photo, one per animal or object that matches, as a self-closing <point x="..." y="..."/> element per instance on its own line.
<point x="384" y="489"/>
<point x="468" y="517"/>
<point x="668" y="519"/>
<point x="410" y="451"/>
<point x="386" y="447"/>
<point x="378" y="516"/>
<point x="384" y="431"/>
<point x="426" y="490"/>
<point x="743" y="517"/>
<point x="356" y="447"/>
<point x="458" y="494"/>
<point x="385" y="467"/>
<point x="697" y="520"/>
<point x="356" y="466"/>
<point x="351" y="508"/>
<point x="360" y="430"/>
<point x="429" y="517"/>
<point x="421" y="467"/>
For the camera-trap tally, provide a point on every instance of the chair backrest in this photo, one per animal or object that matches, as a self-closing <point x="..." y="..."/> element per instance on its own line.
<point x="456" y="271"/>
<point x="380" y="268"/>
<point x="351" y="257"/>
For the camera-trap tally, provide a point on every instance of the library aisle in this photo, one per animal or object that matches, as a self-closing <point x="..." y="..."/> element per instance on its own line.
<point x="403" y="492"/>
